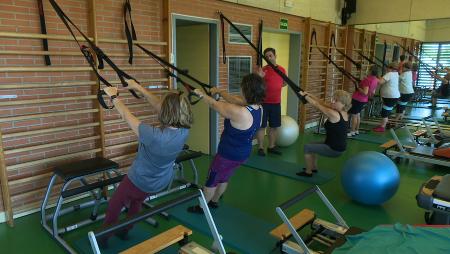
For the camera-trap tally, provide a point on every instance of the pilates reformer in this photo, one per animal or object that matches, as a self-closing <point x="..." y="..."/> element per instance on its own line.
<point x="440" y="137"/>
<point x="79" y="172"/>
<point x="434" y="196"/>
<point x="178" y="234"/>
<point x="326" y="234"/>
<point x="396" y="149"/>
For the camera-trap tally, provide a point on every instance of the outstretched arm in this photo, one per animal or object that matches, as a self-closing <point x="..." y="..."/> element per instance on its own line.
<point x="154" y="101"/>
<point x="332" y="114"/>
<point x="235" y="99"/>
<point x="225" y="109"/>
<point x="123" y="110"/>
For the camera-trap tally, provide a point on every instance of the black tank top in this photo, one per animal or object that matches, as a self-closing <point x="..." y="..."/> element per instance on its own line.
<point x="336" y="137"/>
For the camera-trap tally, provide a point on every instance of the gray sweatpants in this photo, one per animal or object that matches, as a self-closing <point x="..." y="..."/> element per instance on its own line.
<point x="321" y="149"/>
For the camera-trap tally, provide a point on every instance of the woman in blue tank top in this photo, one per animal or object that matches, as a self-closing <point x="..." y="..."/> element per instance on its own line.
<point x="242" y="120"/>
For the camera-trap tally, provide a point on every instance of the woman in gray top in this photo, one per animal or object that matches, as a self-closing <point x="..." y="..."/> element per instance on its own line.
<point x="159" y="146"/>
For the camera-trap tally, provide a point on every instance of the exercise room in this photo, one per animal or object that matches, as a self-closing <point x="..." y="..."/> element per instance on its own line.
<point x="225" y="126"/>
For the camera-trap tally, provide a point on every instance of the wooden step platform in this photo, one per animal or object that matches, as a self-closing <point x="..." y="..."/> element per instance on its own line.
<point x="304" y="217"/>
<point x="161" y="241"/>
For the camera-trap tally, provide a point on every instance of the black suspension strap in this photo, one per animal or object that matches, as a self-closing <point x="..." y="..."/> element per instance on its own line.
<point x="258" y="56"/>
<point x="354" y="79"/>
<point x="288" y="81"/>
<point x="428" y="68"/>
<point x="90" y="58"/>
<point x="333" y="44"/>
<point x="383" y="71"/>
<point x="166" y="65"/>
<point x="43" y="30"/>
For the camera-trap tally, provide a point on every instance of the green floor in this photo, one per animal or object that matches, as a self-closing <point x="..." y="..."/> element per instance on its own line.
<point x="258" y="193"/>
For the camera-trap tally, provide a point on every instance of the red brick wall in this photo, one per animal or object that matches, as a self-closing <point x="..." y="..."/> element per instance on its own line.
<point x="27" y="183"/>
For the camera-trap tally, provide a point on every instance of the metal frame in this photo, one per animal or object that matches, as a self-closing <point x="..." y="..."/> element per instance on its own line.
<point x="292" y="248"/>
<point x="404" y="153"/>
<point x="218" y="245"/>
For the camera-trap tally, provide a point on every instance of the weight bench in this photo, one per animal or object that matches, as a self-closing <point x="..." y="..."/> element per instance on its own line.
<point x="78" y="172"/>
<point x="330" y="235"/>
<point x="434" y="196"/>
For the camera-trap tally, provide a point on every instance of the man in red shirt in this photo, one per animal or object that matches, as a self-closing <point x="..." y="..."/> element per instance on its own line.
<point x="271" y="105"/>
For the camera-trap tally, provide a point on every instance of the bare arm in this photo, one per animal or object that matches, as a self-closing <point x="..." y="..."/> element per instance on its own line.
<point x="225" y="109"/>
<point x="332" y="114"/>
<point x="235" y="99"/>
<point x="154" y="101"/>
<point x="123" y="110"/>
<point x="363" y="90"/>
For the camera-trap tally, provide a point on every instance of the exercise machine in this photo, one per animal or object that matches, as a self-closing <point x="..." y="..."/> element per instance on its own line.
<point x="434" y="196"/>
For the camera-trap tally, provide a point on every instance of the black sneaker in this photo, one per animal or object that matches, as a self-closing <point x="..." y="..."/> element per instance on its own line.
<point x="314" y="170"/>
<point x="213" y="204"/>
<point x="261" y="152"/>
<point x="103" y="243"/>
<point x="195" y="209"/>
<point x="274" y="150"/>
<point x="304" y="174"/>
<point x="123" y="235"/>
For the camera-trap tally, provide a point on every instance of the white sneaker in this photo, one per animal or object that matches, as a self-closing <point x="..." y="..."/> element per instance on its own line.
<point x="356" y="133"/>
<point x="350" y="134"/>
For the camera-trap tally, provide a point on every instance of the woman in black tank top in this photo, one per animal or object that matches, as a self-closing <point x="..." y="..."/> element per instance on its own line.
<point x="336" y="130"/>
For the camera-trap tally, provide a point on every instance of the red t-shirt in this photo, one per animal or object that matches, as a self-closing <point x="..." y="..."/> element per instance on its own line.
<point x="371" y="82"/>
<point x="274" y="83"/>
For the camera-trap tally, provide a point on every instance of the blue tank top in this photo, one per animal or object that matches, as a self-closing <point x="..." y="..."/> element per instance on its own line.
<point x="236" y="144"/>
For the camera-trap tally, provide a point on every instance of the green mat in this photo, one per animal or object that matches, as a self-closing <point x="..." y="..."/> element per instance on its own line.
<point x="287" y="169"/>
<point x="372" y="137"/>
<point x="137" y="235"/>
<point x="239" y="230"/>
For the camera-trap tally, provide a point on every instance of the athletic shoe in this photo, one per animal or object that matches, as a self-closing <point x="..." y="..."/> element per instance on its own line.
<point x="261" y="152"/>
<point x="356" y="133"/>
<point x="304" y="174"/>
<point x="351" y="134"/>
<point x="213" y="204"/>
<point x="195" y="209"/>
<point x="274" y="151"/>
<point x="314" y="170"/>
<point x="379" y="129"/>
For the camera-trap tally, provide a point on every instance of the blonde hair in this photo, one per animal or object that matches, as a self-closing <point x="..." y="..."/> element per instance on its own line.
<point x="343" y="97"/>
<point x="175" y="111"/>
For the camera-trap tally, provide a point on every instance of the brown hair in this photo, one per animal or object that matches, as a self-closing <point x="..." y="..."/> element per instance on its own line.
<point x="343" y="97"/>
<point x="253" y="88"/>
<point x="175" y="112"/>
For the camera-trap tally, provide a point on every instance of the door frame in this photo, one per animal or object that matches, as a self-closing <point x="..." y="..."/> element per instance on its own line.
<point x="213" y="67"/>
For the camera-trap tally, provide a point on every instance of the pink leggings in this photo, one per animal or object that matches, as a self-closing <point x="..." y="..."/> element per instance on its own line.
<point x="126" y="195"/>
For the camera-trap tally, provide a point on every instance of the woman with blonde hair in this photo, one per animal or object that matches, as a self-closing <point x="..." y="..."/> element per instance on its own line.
<point x="336" y="130"/>
<point x="158" y="148"/>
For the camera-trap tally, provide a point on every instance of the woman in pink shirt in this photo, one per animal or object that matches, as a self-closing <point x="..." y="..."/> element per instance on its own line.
<point x="360" y="98"/>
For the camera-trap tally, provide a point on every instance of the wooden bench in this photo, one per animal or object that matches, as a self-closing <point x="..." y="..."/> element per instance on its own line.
<point x="161" y="241"/>
<point x="389" y="144"/>
<point x="194" y="248"/>
<point x="304" y="217"/>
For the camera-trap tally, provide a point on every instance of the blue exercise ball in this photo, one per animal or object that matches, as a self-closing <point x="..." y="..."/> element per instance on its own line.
<point x="370" y="178"/>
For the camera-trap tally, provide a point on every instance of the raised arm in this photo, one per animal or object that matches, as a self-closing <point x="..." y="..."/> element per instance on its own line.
<point x="235" y="99"/>
<point x="123" y="110"/>
<point x="154" y="101"/>
<point x="225" y="109"/>
<point x="332" y="114"/>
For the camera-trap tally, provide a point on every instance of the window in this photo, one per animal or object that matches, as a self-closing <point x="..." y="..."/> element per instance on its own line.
<point x="435" y="55"/>
<point x="238" y="67"/>
<point x="235" y="37"/>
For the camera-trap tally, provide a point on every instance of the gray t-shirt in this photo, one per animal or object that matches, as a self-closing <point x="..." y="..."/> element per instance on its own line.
<point x="152" y="169"/>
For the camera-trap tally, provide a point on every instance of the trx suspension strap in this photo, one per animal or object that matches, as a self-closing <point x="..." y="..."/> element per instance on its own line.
<point x="288" y="81"/>
<point x="92" y="51"/>
<point x="384" y="57"/>
<point x="428" y="68"/>
<point x="132" y="36"/>
<point x="333" y="44"/>
<point x="43" y="30"/>
<point x="258" y="56"/>
<point x="354" y="79"/>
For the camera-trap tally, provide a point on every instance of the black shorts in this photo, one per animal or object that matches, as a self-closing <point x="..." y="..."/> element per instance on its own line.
<point x="271" y="113"/>
<point x="357" y="106"/>
<point x="404" y="99"/>
<point x="388" y="105"/>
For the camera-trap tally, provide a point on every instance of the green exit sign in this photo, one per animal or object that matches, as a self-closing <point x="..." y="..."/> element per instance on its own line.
<point x="283" y="24"/>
